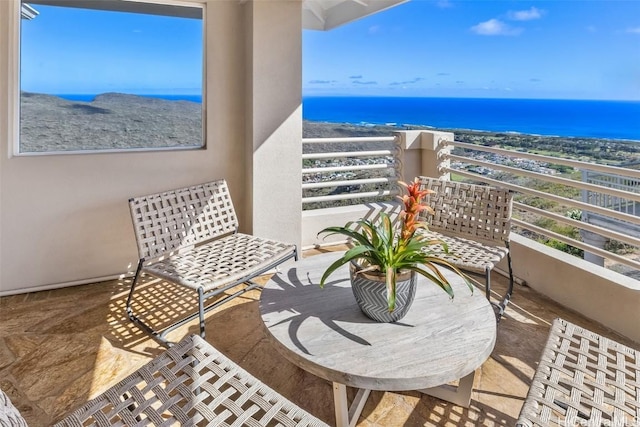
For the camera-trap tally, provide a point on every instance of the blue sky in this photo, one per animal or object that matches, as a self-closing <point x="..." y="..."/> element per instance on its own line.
<point x="567" y="49"/>
<point x="77" y="51"/>
<point x="571" y="49"/>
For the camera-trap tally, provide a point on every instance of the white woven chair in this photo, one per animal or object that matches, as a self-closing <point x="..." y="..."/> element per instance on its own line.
<point x="475" y="223"/>
<point x="9" y="414"/>
<point x="583" y="379"/>
<point x="190" y="384"/>
<point x="190" y="237"/>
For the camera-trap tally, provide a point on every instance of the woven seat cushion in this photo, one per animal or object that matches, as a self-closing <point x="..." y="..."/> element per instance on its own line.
<point x="470" y="255"/>
<point x="9" y="414"/>
<point x="220" y="262"/>
<point x="583" y="379"/>
<point x="190" y="384"/>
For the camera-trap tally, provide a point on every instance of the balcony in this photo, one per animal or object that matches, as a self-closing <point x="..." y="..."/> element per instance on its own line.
<point x="61" y="347"/>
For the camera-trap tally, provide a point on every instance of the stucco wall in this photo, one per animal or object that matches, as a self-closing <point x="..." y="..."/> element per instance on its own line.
<point x="600" y="294"/>
<point x="274" y="132"/>
<point x="65" y="218"/>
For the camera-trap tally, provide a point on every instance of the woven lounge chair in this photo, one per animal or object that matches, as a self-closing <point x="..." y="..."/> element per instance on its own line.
<point x="190" y="384"/>
<point x="9" y="414"/>
<point x="475" y="223"/>
<point x="190" y="237"/>
<point x="583" y="379"/>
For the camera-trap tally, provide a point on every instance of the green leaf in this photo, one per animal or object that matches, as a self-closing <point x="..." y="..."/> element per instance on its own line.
<point x="438" y="279"/>
<point x="351" y="254"/>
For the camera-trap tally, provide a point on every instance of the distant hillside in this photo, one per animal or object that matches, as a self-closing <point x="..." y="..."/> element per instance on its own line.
<point x="117" y="121"/>
<point x="110" y="121"/>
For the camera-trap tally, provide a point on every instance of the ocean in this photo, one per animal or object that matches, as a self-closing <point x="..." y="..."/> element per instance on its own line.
<point x="569" y="118"/>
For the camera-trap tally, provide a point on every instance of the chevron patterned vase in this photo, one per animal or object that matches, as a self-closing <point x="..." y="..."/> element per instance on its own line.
<point x="370" y="292"/>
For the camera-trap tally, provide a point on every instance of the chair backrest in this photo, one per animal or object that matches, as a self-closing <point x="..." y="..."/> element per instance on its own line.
<point x="182" y="218"/>
<point x="467" y="210"/>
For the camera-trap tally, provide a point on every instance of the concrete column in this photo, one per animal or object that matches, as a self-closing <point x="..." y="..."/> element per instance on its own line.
<point x="422" y="153"/>
<point x="596" y="240"/>
<point x="274" y="119"/>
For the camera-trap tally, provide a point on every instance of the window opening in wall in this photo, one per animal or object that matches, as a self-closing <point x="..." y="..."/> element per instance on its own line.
<point x="110" y="75"/>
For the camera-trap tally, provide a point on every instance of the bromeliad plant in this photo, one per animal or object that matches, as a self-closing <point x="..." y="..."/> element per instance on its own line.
<point x="387" y="248"/>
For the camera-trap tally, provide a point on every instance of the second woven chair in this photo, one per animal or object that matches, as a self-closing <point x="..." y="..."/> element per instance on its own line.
<point x="190" y="237"/>
<point x="475" y="223"/>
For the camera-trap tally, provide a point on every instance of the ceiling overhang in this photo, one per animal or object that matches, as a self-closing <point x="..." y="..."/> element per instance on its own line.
<point x="328" y="14"/>
<point x="316" y="14"/>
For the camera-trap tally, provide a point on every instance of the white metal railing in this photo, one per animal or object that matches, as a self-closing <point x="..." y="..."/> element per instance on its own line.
<point x="611" y="193"/>
<point x="349" y="170"/>
<point x="614" y="200"/>
<point x="338" y="171"/>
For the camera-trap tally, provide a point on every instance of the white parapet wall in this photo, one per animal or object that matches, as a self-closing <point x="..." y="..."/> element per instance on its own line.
<point x="313" y="221"/>
<point x="605" y="296"/>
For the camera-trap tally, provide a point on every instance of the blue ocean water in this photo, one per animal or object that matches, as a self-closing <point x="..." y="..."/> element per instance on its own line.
<point x="577" y="118"/>
<point x="571" y="118"/>
<point x="89" y="98"/>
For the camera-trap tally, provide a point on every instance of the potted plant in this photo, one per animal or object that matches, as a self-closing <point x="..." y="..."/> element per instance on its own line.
<point x="386" y="257"/>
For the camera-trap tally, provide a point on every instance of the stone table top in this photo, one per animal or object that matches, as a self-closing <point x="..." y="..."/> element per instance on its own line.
<point x="324" y="332"/>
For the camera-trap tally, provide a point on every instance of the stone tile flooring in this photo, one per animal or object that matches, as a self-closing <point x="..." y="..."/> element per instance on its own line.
<point x="59" y="348"/>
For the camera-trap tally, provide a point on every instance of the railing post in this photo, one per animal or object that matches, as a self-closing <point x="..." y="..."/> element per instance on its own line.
<point x="596" y="240"/>
<point x="423" y="153"/>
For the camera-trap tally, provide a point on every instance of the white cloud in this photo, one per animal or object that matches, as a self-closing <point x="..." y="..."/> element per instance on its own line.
<point x="495" y="27"/>
<point x="635" y="30"/>
<point x="525" y="15"/>
<point x="592" y="28"/>
<point x="444" y="4"/>
<point x="374" y="29"/>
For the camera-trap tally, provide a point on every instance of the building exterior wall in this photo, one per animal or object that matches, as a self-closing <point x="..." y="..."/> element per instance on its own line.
<point x="64" y="219"/>
<point x="605" y="296"/>
<point x="274" y="131"/>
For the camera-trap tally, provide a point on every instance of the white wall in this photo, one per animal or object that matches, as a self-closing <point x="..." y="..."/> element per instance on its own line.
<point x="274" y="133"/>
<point x="65" y="218"/>
<point x="603" y="295"/>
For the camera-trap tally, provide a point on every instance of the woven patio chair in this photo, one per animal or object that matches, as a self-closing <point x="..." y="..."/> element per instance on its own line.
<point x="9" y="414"/>
<point x="475" y="223"/>
<point x="190" y="237"/>
<point x="583" y="379"/>
<point x="190" y="384"/>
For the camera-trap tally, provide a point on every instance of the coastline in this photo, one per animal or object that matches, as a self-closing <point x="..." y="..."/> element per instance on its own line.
<point x="615" y="152"/>
<point x="610" y="119"/>
<point x="120" y="121"/>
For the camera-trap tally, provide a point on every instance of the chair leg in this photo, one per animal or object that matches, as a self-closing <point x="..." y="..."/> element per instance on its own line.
<point x="487" y="287"/>
<point x="502" y="305"/>
<point x="497" y="307"/>
<point x="201" y="311"/>
<point x="133" y="287"/>
<point x="507" y="297"/>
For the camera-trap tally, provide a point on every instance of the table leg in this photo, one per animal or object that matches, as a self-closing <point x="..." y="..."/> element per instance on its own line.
<point x="460" y="395"/>
<point x="347" y="416"/>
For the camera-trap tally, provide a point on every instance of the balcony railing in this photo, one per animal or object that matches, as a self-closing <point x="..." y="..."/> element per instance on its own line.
<point x="524" y="172"/>
<point x="344" y="171"/>
<point x="612" y="201"/>
<point x="566" y="210"/>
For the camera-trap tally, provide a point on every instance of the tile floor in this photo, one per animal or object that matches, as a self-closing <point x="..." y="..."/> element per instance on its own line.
<point x="59" y="348"/>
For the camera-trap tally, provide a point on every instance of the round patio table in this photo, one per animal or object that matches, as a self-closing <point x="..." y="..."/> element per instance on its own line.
<point x="323" y="331"/>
